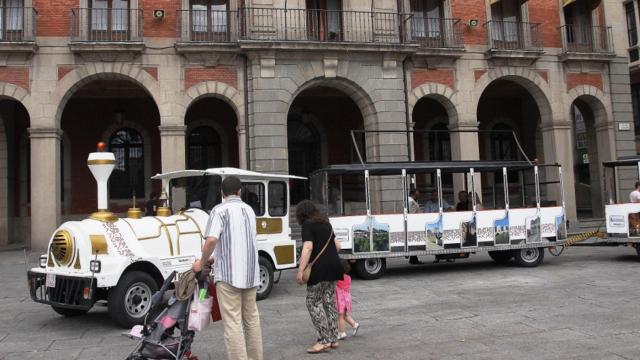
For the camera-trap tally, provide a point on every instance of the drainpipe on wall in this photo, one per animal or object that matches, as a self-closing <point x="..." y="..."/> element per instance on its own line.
<point x="247" y="126"/>
<point x="406" y="107"/>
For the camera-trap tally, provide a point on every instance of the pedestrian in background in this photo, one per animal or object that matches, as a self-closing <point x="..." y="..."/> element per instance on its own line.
<point x="343" y="302"/>
<point x="231" y="237"/>
<point x="321" y="249"/>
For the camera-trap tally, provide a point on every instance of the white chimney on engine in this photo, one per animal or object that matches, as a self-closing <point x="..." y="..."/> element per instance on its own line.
<point x="101" y="164"/>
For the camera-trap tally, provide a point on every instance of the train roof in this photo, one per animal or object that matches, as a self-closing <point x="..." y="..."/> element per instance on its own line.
<point x="416" y="167"/>
<point x="225" y="171"/>
<point x="632" y="160"/>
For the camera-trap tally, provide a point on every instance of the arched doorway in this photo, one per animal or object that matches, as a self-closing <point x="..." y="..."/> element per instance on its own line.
<point x="319" y="127"/>
<point x="14" y="173"/>
<point x="509" y="122"/>
<point x="432" y="142"/>
<point x="212" y="139"/>
<point x="586" y="158"/>
<point x="122" y="114"/>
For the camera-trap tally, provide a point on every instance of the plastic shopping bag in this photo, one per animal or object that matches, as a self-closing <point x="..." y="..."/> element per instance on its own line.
<point x="200" y="312"/>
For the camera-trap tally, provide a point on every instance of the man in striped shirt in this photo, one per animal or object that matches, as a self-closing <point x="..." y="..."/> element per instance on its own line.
<point x="231" y="237"/>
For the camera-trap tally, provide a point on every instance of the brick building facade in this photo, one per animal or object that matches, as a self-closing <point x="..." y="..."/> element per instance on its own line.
<point x="276" y="85"/>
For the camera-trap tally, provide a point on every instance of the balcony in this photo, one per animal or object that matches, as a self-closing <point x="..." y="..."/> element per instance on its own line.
<point x="513" y="40"/>
<point x="436" y="36"/>
<point x="202" y="30"/>
<point x="319" y="29"/>
<point x="593" y="43"/>
<point x="106" y="30"/>
<point x="17" y="30"/>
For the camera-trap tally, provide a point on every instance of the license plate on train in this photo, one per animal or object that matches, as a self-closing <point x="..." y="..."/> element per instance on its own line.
<point x="50" y="280"/>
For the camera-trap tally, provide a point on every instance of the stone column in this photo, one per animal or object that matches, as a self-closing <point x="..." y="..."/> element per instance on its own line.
<point x="558" y="148"/>
<point x="45" y="185"/>
<point x="242" y="147"/>
<point x="172" y="143"/>
<point x="465" y="146"/>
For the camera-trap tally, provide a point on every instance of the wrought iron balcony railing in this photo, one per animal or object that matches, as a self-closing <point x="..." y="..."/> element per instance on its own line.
<point x="435" y="32"/>
<point x="208" y="26"/>
<point x="17" y="24"/>
<point x="269" y="24"/>
<point x="512" y="35"/>
<point x="106" y="25"/>
<point x="587" y="39"/>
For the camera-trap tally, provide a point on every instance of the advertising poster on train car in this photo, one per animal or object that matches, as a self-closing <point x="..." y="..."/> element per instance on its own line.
<point x="434" y="234"/>
<point x="533" y="231"/>
<point x="468" y="233"/>
<point x="501" y="230"/>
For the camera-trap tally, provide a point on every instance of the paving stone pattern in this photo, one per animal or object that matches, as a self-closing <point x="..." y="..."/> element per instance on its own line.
<point x="583" y="305"/>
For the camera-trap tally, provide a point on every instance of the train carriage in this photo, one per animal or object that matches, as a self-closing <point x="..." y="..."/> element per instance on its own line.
<point x="375" y="224"/>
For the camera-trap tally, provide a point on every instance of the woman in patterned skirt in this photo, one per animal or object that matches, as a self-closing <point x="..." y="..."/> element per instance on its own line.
<point x="321" y="249"/>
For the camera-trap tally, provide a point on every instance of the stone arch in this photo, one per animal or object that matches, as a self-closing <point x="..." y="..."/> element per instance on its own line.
<point x="537" y="87"/>
<point x="219" y="90"/>
<point x="597" y="100"/>
<point x="81" y="76"/>
<point x="146" y="138"/>
<point x="443" y="94"/>
<point x="352" y="90"/>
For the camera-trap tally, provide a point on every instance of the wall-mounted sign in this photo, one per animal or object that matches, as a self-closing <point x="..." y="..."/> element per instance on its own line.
<point x="624" y="126"/>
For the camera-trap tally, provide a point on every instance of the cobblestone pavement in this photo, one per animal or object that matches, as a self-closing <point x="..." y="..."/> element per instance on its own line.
<point x="582" y="305"/>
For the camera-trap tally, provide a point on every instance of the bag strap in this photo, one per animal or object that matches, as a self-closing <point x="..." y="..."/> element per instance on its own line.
<point x="321" y="251"/>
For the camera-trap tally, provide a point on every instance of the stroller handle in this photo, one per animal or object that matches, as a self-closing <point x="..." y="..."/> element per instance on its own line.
<point x="159" y="295"/>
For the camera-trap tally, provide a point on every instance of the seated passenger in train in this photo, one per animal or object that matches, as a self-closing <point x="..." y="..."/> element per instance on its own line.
<point x="414" y="206"/>
<point x="463" y="201"/>
<point x="432" y="204"/>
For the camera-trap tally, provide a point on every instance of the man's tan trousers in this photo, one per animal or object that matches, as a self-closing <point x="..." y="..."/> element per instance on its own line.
<point x="242" y="333"/>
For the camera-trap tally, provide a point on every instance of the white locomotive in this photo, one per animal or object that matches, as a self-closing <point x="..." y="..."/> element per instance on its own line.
<point x="124" y="260"/>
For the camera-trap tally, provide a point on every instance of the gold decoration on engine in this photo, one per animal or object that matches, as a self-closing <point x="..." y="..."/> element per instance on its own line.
<point x="62" y="247"/>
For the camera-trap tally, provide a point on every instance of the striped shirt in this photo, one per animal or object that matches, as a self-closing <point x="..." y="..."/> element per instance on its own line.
<point x="233" y="223"/>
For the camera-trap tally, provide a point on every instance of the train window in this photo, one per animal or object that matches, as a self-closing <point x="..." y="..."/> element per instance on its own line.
<point x="253" y="195"/>
<point x="277" y="198"/>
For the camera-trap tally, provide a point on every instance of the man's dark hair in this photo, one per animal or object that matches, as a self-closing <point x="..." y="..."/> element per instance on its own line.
<point x="637" y="184"/>
<point x="231" y="185"/>
<point x="412" y="191"/>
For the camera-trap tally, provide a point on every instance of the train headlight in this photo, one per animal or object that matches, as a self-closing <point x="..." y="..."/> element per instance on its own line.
<point x="95" y="266"/>
<point x="43" y="261"/>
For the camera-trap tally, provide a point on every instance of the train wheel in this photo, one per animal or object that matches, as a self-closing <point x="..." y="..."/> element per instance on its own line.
<point x="637" y="246"/>
<point x="530" y="257"/>
<point x="130" y="301"/>
<point x="371" y="269"/>
<point x="501" y="257"/>
<point x="266" y="278"/>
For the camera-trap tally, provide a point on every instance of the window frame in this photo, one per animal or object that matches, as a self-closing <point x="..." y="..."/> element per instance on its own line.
<point x="209" y="34"/>
<point x="109" y="33"/>
<point x="428" y="29"/>
<point x="285" y="201"/>
<point x="262" y="196"/>
<point x="8" y="33"/>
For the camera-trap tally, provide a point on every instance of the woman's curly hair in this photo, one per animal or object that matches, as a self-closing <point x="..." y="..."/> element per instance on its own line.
<point x="307" y="210"/>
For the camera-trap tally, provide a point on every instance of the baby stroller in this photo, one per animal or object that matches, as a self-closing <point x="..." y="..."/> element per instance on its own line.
<point x="168" y="336"/>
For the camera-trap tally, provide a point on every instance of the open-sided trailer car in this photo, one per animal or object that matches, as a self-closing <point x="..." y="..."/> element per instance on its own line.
<point x="376" y="225"/>
<point x="622" y="217"/>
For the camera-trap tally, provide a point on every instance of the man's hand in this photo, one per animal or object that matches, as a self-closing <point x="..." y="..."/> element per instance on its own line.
<point x="299" y="278"/>
<point x="197" y="266"/>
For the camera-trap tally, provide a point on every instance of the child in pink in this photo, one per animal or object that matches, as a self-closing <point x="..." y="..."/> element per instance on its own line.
<point x="343" y="302"/>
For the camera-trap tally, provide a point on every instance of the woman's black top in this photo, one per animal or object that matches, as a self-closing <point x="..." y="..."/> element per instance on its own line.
<point x="328" y="266"/>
